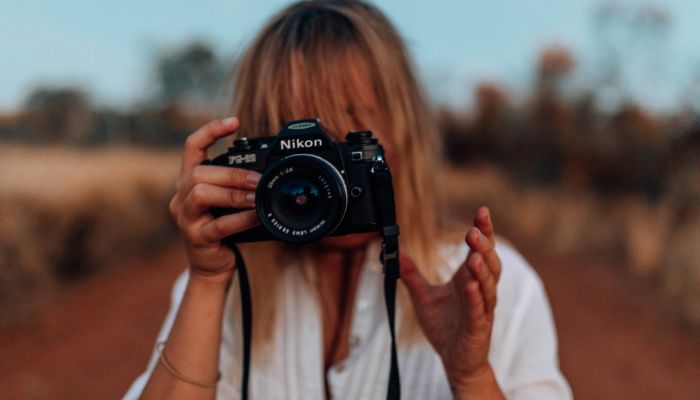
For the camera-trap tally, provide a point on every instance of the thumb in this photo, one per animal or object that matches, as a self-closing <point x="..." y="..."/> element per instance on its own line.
<point x="411" y="276"/>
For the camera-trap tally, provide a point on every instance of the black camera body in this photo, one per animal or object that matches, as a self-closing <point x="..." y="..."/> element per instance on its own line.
<point x="311" y="187"/>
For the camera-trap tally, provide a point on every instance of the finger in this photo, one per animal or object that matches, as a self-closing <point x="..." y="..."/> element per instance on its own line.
<point x="480" y="243"/>
<point x="220" y="176"/>
<point x="197" y="143"/>
<point x="487" y="283"/>
<point x="203" y="196"/>
<point x="482" y="220"/>
<point x="463" y="275"/>
<point x="414" y="280"/>
<point x="219" y="228"/>
<point x="174" y="206"/>
<point x="475" y="309"/>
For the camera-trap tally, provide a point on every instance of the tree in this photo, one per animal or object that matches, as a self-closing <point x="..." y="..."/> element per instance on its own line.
<point x="190" y="76"/>
<point x="57" y="114"/>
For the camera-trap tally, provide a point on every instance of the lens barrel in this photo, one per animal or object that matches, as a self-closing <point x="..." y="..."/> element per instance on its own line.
<point x="301" y="198"/>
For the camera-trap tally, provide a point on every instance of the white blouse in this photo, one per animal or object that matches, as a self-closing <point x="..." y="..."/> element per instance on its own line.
<point x="523" y="350"/>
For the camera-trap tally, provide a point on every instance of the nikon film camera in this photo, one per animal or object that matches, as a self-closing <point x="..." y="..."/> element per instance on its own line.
<point x="311" y="187"/>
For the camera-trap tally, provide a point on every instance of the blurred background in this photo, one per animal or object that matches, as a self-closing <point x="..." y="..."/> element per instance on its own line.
<point x="577" y="122"/>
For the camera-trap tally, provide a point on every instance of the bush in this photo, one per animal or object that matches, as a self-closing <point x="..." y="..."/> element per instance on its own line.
<point x="65" y="213"/>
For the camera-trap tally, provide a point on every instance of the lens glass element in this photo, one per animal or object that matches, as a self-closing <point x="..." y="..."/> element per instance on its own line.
<point x="301" y="198"/>
<point x="297" y="200"/>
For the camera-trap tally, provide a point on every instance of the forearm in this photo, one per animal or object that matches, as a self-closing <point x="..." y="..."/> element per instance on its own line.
<point x="193" y="343"/>
<point x="480" y="386"/>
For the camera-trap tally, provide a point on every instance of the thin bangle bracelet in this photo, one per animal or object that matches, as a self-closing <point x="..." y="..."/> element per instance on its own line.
<point x="161" y="357"/>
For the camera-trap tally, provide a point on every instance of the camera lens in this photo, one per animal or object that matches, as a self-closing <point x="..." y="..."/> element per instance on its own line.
<point x="297" y="200"/>
<point x="301" y="198"/>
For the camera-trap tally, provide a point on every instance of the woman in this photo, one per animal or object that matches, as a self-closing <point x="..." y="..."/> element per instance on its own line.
<point x="319" y="324"/>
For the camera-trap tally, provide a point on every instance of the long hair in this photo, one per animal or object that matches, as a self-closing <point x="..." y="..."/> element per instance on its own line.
<point x="344" y="62"/>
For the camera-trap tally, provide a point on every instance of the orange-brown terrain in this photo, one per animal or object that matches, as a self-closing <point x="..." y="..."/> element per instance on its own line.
<point x="96" y="336"/>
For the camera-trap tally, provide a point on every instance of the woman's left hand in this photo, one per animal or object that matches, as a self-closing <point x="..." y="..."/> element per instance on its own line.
<point x="457" y="317"/>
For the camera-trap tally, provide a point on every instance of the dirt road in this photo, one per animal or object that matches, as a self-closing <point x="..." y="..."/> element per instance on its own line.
<point x="95" y="338"/>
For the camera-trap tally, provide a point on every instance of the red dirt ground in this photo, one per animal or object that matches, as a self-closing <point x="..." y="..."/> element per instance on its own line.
<point x="615" y="341"/>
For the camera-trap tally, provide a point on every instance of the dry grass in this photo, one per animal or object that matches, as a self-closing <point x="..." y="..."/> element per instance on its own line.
<point x="67" y="212"/>
<point x="652" y="240"/>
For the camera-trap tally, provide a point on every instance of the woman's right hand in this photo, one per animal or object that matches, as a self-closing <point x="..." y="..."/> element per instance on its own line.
<point x="201" y="187"/>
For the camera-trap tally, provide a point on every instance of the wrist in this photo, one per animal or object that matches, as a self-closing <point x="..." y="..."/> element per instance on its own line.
<point x="211" y="282"/>
<point x="480" y="384"/>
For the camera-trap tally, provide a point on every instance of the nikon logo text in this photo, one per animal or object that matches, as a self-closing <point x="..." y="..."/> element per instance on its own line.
<point x="300" y="143"/>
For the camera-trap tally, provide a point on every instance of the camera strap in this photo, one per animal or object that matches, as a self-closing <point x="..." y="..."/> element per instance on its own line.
<point x="246" y="316"/>
<point x="389" y="256"/>
<point x="383" y="188"/>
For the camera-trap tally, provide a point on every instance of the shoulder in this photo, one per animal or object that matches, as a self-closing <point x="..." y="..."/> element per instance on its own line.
<point x="523" y="349"/>
<point x="519" y="280"/>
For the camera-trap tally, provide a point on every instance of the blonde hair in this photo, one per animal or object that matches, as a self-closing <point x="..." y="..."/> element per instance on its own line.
<point x="311" y="60"/>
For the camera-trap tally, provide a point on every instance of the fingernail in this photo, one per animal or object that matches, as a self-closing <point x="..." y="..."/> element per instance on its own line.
<point x="253" y="177"/>
<point x="469" y="233"/>
<point x="229" y="120"/>
<point x="250" y="197"/>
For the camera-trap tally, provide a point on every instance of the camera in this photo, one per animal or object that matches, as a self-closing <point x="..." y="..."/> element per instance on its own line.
<point x="311" y="186"/>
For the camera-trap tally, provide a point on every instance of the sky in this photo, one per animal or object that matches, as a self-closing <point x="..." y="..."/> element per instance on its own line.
<point x="108" y="47"/>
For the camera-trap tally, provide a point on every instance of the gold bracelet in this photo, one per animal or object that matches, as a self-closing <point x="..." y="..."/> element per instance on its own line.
<point x="161" y="357"/>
